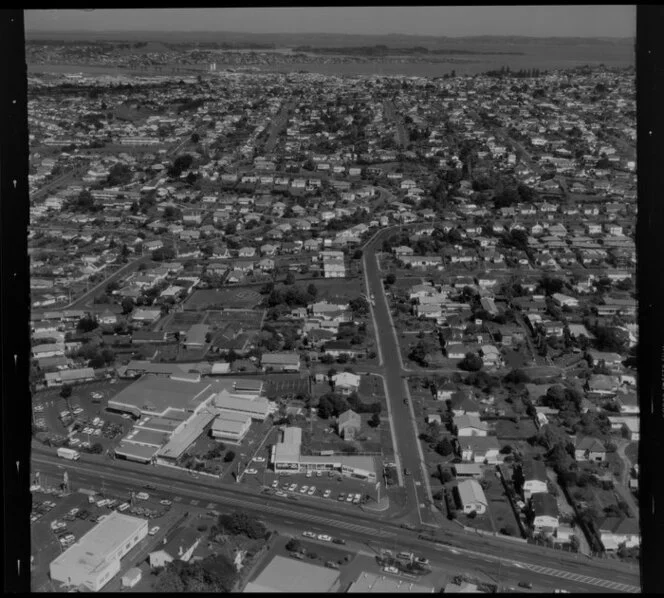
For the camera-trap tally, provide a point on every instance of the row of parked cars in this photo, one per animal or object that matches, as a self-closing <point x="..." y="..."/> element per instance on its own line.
<point x="311" y="491"/>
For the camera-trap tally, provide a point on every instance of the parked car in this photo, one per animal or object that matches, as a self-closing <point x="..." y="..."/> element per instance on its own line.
<point x="292" y="487"/>
<point x="327" y="493"/>
<point x="275" y="484"/>
<point x="281" y="493"/>
<point x="297" y="555"/>
<point x="165" y="502"/>
<point x="349" y="498"/>
<point x="309" y="535"/>
<point x="154" y="530"/>
<point x="341" y="497"/>
<point x="420" y="560"/>
<point x="251" y="471"/>
<point x="259" y="459"/>
<point x="331" y="565"/>
<point x="304" y="489"/>
<point x="525" y="584"/>
<point x="339" y="541"/>
<point x="312" y="491"/>
<point x="390" y="569"/>
<point x="142" y="496"/>
<point x="324" y="538"/>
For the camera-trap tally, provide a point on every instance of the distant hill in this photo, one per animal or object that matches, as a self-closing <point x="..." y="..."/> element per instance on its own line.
<point x="318" y="39"/>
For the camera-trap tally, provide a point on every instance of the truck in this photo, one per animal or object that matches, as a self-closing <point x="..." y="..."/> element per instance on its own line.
<point x="67" y="453"/>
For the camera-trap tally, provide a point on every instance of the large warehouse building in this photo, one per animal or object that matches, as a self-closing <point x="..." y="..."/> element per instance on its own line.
<point x="286" y="458"/>
<point x="290" y="576"/>
<point x="174" y="411"/>
<point x="95" y="558"/>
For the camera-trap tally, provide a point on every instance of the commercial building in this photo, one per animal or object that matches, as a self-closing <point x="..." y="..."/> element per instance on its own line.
<point x="372" y="583"/>
<point x="286" y="458"/>
<point x="95" y="558"/>
<point x="231" y="426"/>
<point x="289" y="575"/>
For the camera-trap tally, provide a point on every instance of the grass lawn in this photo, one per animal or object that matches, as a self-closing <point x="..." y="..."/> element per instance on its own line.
<point x="229" y="298"/>
<point x="508" y="430"/>
<point x="499" y="506"/>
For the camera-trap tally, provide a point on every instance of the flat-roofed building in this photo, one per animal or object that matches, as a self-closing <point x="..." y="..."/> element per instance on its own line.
<point x="95" y="559"/>
<point x="287" y="362"/>
<point x="231" y="426"/>
<point x="196" y="336"/>
<point x="152" y="395"/>
<point x="289" y="575"/>
<point x="372" y="583"/>
<point x="135" y="452"/>
<point x="256" y="407"/>
<point x="183" y="439"/>
<point x="286" y="458"/>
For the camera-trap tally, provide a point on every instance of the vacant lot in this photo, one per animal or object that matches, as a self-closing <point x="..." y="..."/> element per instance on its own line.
<point x="223" y="298"/>
<point x="508" y="430"/>
<point x="339" y="289"/>
<point x="183" y="320"/>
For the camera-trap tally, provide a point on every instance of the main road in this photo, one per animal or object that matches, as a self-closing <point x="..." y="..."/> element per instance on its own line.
<point x="458" y="551"/>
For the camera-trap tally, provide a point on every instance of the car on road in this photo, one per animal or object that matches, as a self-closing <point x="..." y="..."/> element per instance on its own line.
<point x="165" y="502"/>
<point x="405" y="401"/>
<point x="327" y="493"/>
<point x="275" y="484"/>
<point x="309" y="535"/>
<point x="338" y="541"/>
<point x="259" y="459"/>
<point x="142" y="496"/>
<point x="324" y="538"/>
<point x="251" y="471"/>
<point x="390" y="569"/>
<point x="526" y="584"/>
<point x="154" y="530"/>
<point x="406" y="471"/>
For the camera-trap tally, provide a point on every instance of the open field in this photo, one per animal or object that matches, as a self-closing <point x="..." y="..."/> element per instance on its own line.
<point x="182" y="320"/>
<point x="222" y="298"/>
<point x="286" y="385"/>
<point x="248" y="318"/>
<point x="340" y="289"/>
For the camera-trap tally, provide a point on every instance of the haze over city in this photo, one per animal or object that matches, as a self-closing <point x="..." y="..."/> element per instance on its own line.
<point x="453" y="21"/>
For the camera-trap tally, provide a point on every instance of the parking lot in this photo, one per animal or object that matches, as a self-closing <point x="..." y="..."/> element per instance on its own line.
<point x="59" y="521"/>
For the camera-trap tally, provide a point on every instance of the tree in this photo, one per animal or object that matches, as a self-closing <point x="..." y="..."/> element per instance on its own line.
<point x="472" y="362"/>
<point x="195" y="137"/>
<point x="127" y="305"/>
<point x="229" y="456"/>
<point x="290" y="278"/>
<point x="390" y="279"/>
<point x="119" y="174"/>
<point x="240" y="523"/>
<point x="294" y="545"/>
<point x="312" y="290"/>
<point x="444" y="447"/>
<point x="97" y="448"/>
<point x="374" y="421"/>
<point x="65" y="391"/>
<point x="87" y="324"/>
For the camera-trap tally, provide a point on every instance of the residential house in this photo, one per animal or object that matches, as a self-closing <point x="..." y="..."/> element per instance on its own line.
<point x="472" y="497"/>
<point x="480" y="449"/>
<point x="281" y="361"/>
<point x="346" y="382"/>
<point x="617" y="531"/>
<point x="469" y="424"/>
<point x="180" y="547"/>
<point x="545" y="513"/>
<point x="534" y="478"/>
<point x="349" y="424"/>
<point x="589" y="449"/>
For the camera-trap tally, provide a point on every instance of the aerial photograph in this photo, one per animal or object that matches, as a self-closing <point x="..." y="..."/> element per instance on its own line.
<point x="333" y="300"/>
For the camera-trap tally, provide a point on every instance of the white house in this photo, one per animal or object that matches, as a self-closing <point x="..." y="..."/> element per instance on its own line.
<point x="535" y="479"/>
<point x="472" y="497"/>
<point x="469" y="424"/>
<point x="346" y="382"/>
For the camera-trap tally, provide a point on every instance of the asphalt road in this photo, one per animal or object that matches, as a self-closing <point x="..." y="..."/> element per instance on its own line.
<point x="462" y="552"/>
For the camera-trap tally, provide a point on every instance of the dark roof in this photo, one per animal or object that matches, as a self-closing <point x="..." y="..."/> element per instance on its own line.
<point x="534" y="470"/>
<point x="544" y="504"/>
<point x="620" y="525"/>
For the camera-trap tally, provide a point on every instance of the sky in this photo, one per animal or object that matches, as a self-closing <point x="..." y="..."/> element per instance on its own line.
<point x="452" y="21"/>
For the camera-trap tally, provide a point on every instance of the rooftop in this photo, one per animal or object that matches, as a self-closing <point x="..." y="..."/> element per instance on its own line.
<point x="289" y="575"/>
